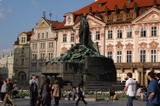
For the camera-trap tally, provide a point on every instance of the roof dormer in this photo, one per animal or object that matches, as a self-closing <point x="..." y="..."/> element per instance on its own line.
<point x="69" y="19"/>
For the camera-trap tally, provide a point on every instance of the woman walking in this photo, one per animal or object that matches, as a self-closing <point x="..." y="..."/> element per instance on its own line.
<point x="45" y="93"/>
<point x="56" y="92"/>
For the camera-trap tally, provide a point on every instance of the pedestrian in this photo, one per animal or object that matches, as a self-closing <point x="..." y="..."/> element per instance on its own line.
<point x="130" y="87"/>
<point x="3" y="89"/>
<point x="72" y="94"/>
<point x="45" y="93"/>
<point x="1" y="83"/>
<point x="113" y="95"/>
<point x="15" y="89"/>
<point x="80" y="92"/>
<point x="8" y="93"/>
<point x="33" y="90"/>
<point x="153" y="94"/>
<point x="56" y="92"/>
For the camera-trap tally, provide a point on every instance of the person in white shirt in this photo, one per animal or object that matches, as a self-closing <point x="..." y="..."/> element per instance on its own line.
<point x="3" y="89"/>
<point x="130" y="87"/>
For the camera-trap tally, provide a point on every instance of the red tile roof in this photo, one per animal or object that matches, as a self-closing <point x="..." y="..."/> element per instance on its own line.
<point x="111" y="4"/>
<point x="100" y="6"/>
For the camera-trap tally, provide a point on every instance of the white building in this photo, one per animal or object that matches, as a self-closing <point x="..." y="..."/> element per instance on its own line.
<point x="6" y="65"/>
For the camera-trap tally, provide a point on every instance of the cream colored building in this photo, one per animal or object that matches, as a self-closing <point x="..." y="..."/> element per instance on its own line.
<point x="22" y="56"/>
<point x="6" y="65"/>
<point x="43" y="45"/>
<point x="126" y="31"/>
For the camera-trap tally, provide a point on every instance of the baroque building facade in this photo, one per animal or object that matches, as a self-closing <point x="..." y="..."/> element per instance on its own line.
<point x="126" y="31"/>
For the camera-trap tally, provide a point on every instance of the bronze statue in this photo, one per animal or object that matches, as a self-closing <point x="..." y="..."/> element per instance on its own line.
<point x="84" y="33"/>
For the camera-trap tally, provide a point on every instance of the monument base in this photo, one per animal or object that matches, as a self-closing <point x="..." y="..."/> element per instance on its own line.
<point x="93" y="69"/>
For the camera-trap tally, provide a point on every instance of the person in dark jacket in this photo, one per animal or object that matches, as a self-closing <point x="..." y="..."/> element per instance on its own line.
<point x="80" y="91"/>
<point x="45" y="93"/>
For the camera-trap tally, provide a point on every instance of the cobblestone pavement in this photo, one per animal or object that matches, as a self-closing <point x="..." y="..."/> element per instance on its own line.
<point x="121" y="102"/>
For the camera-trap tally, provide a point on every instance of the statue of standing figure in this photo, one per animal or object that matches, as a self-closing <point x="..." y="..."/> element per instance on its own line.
<point x="84" y="33"/>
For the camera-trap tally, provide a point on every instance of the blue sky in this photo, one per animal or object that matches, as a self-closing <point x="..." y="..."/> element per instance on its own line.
<point x="17" y="16"/>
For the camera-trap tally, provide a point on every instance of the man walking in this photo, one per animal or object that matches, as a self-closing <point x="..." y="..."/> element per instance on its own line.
<point x="152" y="96"/>
<point x="80" y="92"/>
<point x="33" y="90"/>
<point x="130" y="87"/>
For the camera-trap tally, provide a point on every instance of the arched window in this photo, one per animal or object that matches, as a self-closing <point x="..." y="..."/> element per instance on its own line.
<point x="22" y="75"/>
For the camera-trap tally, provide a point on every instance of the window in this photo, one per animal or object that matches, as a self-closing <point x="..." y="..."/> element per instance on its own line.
<point x="16" y="61"/>
<point x="42" y="35"/>
<point x="34" y="46"/>
<point x="129" y="56"/>
<point x="46" y="35"/>
<point x="97" y="35"/>
<point x="109" y="54"/>
<point x="16" y="50"/>
<point x="153" y="56"/>
<point x="22" y="62"/>
<point x="23" y="40"/>
<point x="119" y="34"/>
<point x="153" y="31"/>
<point x="38" y="37"/>
<point x="129" y="33"/>
<point x="72" y="37"/>
<point x="50" y="44"/>
<point x="22" y="75"/>
<point x="22" y="51"/>
<point x="42" y="55"/>
<point x="42" y="46"/>
<point x="142" y="55"/>
<point x="119" y="56"/>
<point x="109" y="34"/>
<point x="50" y="56"/>
<point x="143" y="32"/>
<point x="34" y="56"/>
<point x="64" y="37"/>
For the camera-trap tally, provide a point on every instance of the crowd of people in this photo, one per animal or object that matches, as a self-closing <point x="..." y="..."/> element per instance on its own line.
<point x="49" y="91"/>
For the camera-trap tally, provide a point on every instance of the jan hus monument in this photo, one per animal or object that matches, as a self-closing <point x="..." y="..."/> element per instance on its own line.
<point x="82" y="61"/>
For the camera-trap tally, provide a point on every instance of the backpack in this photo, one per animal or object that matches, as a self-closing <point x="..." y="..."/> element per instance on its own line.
<point x="33" y="87"/>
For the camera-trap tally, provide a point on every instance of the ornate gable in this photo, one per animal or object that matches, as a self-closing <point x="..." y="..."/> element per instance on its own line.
<point x="42" y="24"/>
<point x="152" y="15"/>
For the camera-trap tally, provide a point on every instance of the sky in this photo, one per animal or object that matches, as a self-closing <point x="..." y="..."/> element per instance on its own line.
<point x="18" y="16"/>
